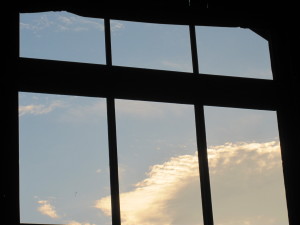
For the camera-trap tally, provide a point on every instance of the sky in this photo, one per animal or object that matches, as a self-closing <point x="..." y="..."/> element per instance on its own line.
<point x="64" y="168"/>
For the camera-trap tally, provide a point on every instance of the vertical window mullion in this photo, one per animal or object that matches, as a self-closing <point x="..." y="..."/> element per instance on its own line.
<point x="113" y="162"/>
<point x="203" y="166"/>
<point x="112" y="137"/>
<point x="201" y="142"/>
<point x="108" y="53"/>
<point x="194" y="49"/>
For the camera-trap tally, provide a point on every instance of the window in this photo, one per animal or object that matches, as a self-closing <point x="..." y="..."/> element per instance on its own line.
<point x="158" y="163"/>
<point x="122" y="89"/>
<point x="153" y="46"/>
<point x="245" y="166"/>
<point x="62" y="36"/>
<point x="64" y="165"/>
<point x="233" y="52"/>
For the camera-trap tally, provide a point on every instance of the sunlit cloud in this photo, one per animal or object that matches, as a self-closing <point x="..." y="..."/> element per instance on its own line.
<point x="47" y="209"/>
<point x="171" y="190"/>
<point x="39" y="109"/>
<point x="263" y="156"/>
<point x="150" y="197"/>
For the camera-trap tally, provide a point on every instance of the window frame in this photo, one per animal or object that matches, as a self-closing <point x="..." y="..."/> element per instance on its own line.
<point x="236" y="94"/>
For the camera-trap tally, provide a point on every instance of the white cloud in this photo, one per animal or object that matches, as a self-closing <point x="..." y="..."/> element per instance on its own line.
<point x="169" y="193"/>
<point x="39" y="109"/>
<point x="47" y="209"/>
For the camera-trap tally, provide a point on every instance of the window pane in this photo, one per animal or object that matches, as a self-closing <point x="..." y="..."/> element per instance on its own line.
<point x="158" y="164"/>
<point x="153" y="46"/>
<point x="64" y="165"/>
<point x="62" y="36"/>
<point x="245" y="167"/>
<point x="233" y="51"/>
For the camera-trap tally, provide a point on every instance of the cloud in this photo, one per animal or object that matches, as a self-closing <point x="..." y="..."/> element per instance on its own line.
<point x="169" y="193"/>
<point x="39" y="109"/>
<point x="143" y="109"/>
<point x="47" y="209"/>
<point x="93" y="111"/>
<point x="263" y="156"/>
<point x="148" y="200"/>
<point x="73" y="222"/>
<point x="76" y="23"/>
<point x="171" y="65"/>
<point x="115" y="26"/>
<point x="63" y="21"/>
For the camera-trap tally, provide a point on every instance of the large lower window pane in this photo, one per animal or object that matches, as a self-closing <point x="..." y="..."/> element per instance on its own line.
<point x="62" y="36"/>
<point x="233" y="52"/>
<point x="158" y="164"/>
<point x="64" y="165"/>
<point x="153" y="46"/>
<point x="245" y="167"/>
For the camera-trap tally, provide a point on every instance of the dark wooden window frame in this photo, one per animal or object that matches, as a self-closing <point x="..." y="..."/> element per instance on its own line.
<point x="111" y="82"/>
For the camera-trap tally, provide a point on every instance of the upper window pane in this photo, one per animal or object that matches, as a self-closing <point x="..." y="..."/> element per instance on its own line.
<point x="64" y="166"/>
<point x="153" y="46"/>
<point x="245" y="167"/>
<point x="232" y="52"/>
<point x="62" y="36"/>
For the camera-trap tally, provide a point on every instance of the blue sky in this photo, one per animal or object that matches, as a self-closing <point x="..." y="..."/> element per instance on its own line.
<point x="64" y="169"/>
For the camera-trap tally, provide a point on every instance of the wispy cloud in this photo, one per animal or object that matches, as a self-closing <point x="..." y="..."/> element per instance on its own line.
<point x="177" y="66"/>
<point x="170" y="190"/>
<point x="39" y="109"/>
<point x="63" y="21"/>
<point x="83" y="112"/>
<point x="142" y="109"/>
<point x="115" y="26"/>
<point x="73" y="222"/>
<point x="47" y="209"/>
<point x="77" y="23"/>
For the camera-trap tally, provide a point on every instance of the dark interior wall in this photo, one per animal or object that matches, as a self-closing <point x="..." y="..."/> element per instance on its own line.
<point x="280" y="29"/>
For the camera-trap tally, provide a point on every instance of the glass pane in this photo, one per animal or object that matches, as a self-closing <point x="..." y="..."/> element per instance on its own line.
<point x="62" y="36"/>
<point x="233" y="52"/>
<point x="153" y="46"/>
<point x="158" y="164"/>
<point x="245" y="167"/>
<point x="64" y="166"/>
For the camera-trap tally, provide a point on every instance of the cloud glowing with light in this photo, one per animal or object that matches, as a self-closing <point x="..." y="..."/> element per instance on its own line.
<point x="171" y="190"/>
<point x="47" y="209"/>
